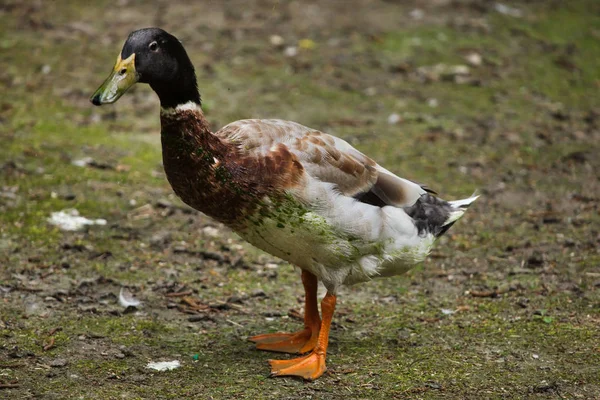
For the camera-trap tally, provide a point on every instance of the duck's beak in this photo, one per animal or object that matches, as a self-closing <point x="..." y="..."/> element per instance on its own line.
<point x="122" y="78"/>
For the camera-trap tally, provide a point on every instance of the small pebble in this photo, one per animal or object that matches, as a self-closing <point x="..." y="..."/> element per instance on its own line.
<point x="58" y="363"/>
<point x="474" y="59"/>
<point x="211" y="231"/>
<point x="394" y="118"/>
<point x="291" y="51"/>
<point x="276" y="40"/>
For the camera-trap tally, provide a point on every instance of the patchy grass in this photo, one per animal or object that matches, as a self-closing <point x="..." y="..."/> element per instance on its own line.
<point x="508" y="304"/>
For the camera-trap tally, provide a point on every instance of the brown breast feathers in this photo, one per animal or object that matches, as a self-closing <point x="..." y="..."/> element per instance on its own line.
<point x="214" y="176"/>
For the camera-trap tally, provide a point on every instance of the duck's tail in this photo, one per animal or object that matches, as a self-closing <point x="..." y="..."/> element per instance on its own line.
<point x="457" y="210"/>
<point x="432" y="215"/>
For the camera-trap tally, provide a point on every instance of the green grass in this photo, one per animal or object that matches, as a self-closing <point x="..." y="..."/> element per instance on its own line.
<point x="532" y="236"/>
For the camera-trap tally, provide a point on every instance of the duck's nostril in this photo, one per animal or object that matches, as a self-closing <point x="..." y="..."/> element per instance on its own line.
<point x="122" y="71"/>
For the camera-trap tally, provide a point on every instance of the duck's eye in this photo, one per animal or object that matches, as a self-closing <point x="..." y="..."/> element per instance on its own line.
<point x="153" y="46"/>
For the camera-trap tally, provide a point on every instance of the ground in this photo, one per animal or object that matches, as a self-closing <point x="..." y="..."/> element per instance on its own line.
<point x="461" y="95"/>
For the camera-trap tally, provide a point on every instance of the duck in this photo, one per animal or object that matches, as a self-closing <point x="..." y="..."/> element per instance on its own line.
<point x="302" y="195"/>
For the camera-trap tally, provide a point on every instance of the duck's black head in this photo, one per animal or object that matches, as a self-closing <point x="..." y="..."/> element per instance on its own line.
<point x="158" y="58"/>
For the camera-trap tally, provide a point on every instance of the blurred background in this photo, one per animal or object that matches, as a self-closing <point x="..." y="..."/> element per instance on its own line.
<point x="459" y="95"/>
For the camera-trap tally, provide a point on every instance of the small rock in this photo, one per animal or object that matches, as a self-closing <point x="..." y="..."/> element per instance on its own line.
<point x="87" y="308"/>
<point x="82" y="162"/>
<point x="180" y="249"/>
<point x="200" y="317"/>
<point x="162" y="203"/>
<point x="160" y="238"/>
<point x="127" y="300"/>
<point x="211" y="231"/>
<point x="474" y="59"/>
<point x="458" y="70"/>
<point x="433" y="385"/>
<point x="291" y="51"/>
<point x="272" y="314"/>
<point x="125" y="351"/>
<point x="235" y="299"/>
<point x="276" y="40"/>
<point x="393" y="119"/>
<point x="58" y="363"/>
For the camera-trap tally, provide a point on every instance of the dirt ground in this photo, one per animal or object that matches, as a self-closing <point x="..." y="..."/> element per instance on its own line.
<point x="457" y="94"/>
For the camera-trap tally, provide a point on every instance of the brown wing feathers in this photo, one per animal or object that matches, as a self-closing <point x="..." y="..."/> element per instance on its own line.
<point x="288" y="146"/>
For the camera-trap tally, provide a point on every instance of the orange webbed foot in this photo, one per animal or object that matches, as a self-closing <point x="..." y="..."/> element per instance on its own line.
<point x="299" y="342"/>
<point x="309" y="367"/>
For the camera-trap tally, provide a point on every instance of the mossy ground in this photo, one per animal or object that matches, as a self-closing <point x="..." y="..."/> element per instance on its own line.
<point x="523" y="128"/>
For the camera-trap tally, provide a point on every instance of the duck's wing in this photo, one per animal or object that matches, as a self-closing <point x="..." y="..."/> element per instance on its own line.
<point x="324" y="157"/>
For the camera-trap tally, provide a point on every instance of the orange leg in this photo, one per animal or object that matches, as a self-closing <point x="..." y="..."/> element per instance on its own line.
<point x="312" y="365"/>
<point x="304" y="340"/>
